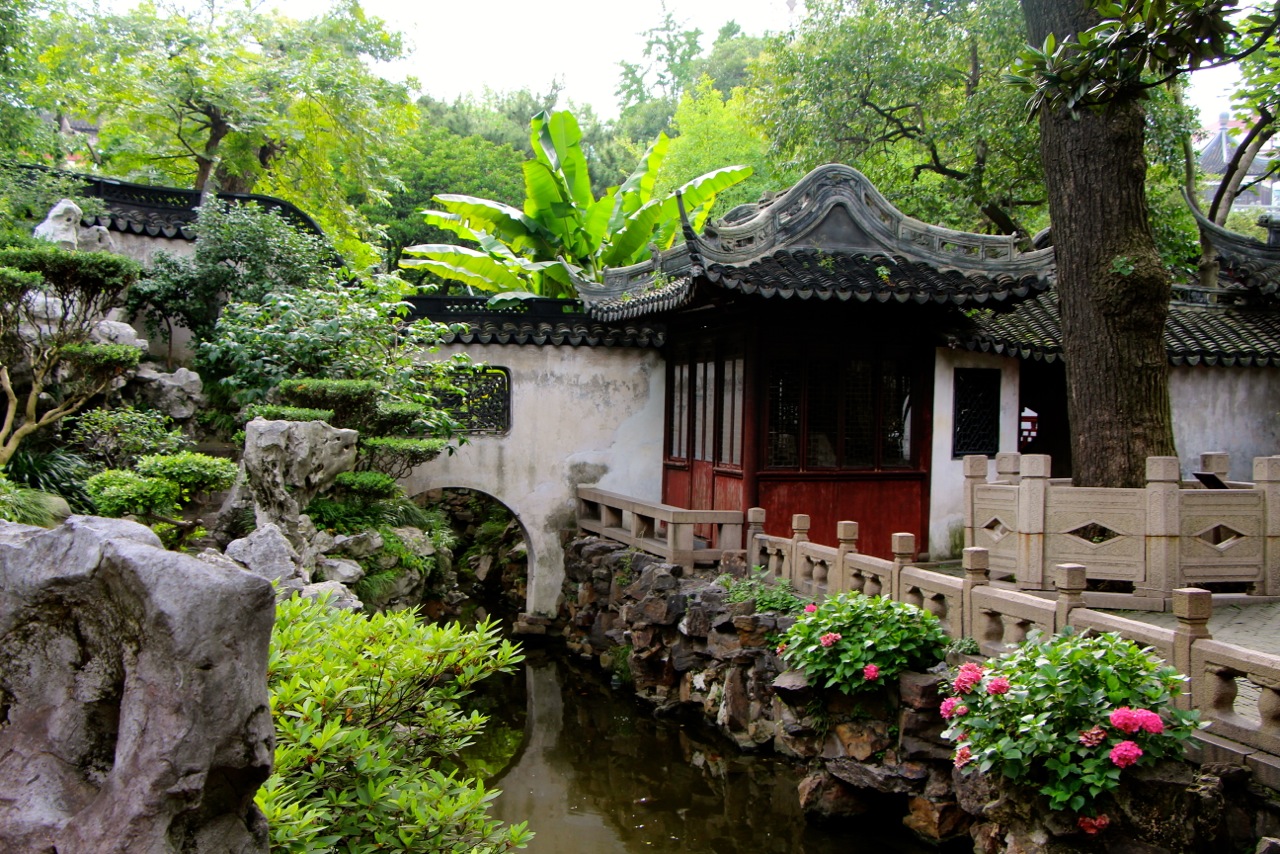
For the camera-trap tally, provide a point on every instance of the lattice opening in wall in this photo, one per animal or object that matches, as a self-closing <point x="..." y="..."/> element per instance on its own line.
<point x="484" y="404"/>
<point x="1094" y="533"/>
<point x="1220" y="536"/>
<point x="976" y="412"/>
<point x="997" y="530"/>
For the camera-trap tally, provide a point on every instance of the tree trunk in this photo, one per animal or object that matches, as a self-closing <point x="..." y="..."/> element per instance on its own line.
<point x="1113" y="290"/>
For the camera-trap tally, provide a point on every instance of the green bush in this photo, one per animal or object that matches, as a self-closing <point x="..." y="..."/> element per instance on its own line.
<point x="118" y="437"/>
<point x="349" y="400"/>
<point x="26" y="506"/>
<point x="370" y="485"/>
<point x="769" y="594"/>
<point x="194" y="473"/>
<point x="1065" y="714"/>
<point x="366" y="710"/>
<point x="395" y="419"/>
<point x="853" y="642"/>
<point x="117" y="492"/>
<point x="285" y="413"/>
<point x="397" y="456"/>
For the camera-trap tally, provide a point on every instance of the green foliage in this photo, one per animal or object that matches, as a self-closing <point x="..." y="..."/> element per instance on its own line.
<point x="57" y="471"/>
<point x="836" y="641"/>
<point x="769" y="594"/>
<point x="272" y="412"/>
<point x="564" y="233"/>
<point x="369" y="485"/>
<point x="118" y="437"/>
<point x="101" y="360"/>
<point x="25" y="506"/>
<point x="27" y="194"/>
<point x="366" y="709"/>
<point x="117" y="492"/>
<point x="194" y="473"/>
<point x="397" y="456"/>
<point x="243" y="253"/>
<point x="1053" y="727"/>
<point x="348" y="399"/>
<point x="97" y="278"/>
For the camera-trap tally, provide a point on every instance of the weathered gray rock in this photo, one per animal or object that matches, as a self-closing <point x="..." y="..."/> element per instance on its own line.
<point x="416" y="541"/>
<point x="179" y="394"/>
<point x="95" y="238"/>
<point x="135" y="692"/>
<point x="62" y="225"/>
<point x="268" y="553"/>
<point x="345" y="572"/>
<point x="287" y="463"/>
<point x="339" y="596"/>
<point x="363" y="544"/>
<point x="116" y="332"/>
<point x="217" y="558"/>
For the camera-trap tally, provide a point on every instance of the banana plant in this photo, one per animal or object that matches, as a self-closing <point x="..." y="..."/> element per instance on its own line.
<point x="564" y="234"/>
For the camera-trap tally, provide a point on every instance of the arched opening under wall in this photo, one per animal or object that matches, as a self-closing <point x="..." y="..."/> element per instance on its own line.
<point x="491" y="554"/>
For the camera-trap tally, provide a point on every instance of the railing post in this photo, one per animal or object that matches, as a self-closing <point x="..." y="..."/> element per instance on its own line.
<point x="1218" y="462"/>
<point x="755" y="529"/>
<point x="799" y="534"/>
<point x="1193" y="607"/>
<point x="1009" y="467"/>
<point x="1266" y="474"/>
<point x="847" y="537"/>
<point x="1163" y="572"/>
<point x="904" y="554"/>
<point x="1032" y="494"/>
<point x="975" y="472"/>
<point x="1072" y="578"/>
<point x="977" y="564"/>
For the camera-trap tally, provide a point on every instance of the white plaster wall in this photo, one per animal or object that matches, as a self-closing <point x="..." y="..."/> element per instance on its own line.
<point x="1236" y="410"/>
<point x="946" y="489"/>
<point x="142" y="248"/>
<point x="579" y="415"/>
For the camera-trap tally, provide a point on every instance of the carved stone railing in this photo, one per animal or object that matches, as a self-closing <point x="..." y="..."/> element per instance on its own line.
<point x="1236" y="690"/>
<point x="1167" y="535"/>
<point x="659" y="529"/>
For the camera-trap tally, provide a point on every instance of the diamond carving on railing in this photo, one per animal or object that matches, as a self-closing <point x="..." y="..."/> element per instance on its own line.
<point x="1093" y="533"/>
<point x="1221" y="537"/>
<point x="997" y="529"/>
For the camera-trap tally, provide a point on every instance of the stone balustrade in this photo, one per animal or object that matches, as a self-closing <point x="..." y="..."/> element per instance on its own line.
<point x="674" y="534"/>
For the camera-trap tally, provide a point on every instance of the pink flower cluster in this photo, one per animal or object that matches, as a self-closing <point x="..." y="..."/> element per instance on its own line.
<point x="782" y="647"/>
<point x="1130" y="720"/>
<point x="953" y="708"/>
<point x="810" y="608"/>
<point x="963" y="756"/>
<point x="871" y="672"/>
<point x="1125" y="754"/>
<point x="1092" y="825"/>
<point x="969" y="676"/>
<point x="829" y="638"/>
<point x="999" y="685"/>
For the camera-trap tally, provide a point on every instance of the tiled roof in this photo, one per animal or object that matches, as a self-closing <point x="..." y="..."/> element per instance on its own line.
<point x="831" y="235"/>
<point x="1193" y="335"/>
<point x="532" y="321"/>
<point x="816" y="274"/>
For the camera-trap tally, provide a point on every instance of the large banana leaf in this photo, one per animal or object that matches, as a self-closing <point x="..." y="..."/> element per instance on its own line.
<point x="558" y="139"/>
<point x="451" y="222"/>
<point x="469" y="266"/>
<point x="502" y="221"/>
<point x="638" y="188"/>
<point x="703" y="189"/>
<point x="635" y="235"/>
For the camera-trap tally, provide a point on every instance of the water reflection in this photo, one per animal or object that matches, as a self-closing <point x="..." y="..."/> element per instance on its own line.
<point x="597" y="773"/>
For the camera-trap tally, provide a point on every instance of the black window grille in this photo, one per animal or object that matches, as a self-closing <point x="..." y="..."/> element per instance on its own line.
<point x="484" y="406"/>
<point x="977" y="412"/>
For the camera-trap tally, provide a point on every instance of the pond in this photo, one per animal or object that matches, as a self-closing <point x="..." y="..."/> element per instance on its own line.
<point x="593" y="771"/>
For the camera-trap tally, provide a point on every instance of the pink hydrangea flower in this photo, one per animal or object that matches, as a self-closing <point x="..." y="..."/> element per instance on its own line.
<point x="948" y="708"/>
<point x="1093" y="737"/>
<point x="970" y="675"/>
<point x="999" y="685"/>
<point x="963" y="756"/>
<point x="810" y="608"/>
<point x="871" y="672"/>
<point x="1125" y="754"/>
<point x="1149" y="721"/>
<point x="782" y="647"/>
<point x="1092" y="825"/>
<point x="829" y="638"/>
<point x="1126" y="719"/>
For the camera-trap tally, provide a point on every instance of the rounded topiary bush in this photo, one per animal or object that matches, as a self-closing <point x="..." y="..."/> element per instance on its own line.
<point x="853" y="642"/>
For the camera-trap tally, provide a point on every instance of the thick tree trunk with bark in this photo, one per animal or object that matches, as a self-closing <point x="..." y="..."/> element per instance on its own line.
<point x="1113" y="291"/>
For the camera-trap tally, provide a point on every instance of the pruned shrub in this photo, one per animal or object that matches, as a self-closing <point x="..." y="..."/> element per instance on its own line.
<point x="272" y="412"/>
<point x="117" y="492"/>
<point x="194" y="473"/>
<point x="118" y="437"/>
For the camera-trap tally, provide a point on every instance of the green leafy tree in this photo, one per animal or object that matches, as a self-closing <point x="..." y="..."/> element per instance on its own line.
<point x="368" y="710"/>
<point x="564" y="233"/>
<point x="50" y="300"/>
<point x="1091" y="65"/>
<point x="911" y="94"/>
<point x="233" y="97"/>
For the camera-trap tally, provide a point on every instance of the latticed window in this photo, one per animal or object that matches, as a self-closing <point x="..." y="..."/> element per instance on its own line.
<point x="484" y="406"/>
<point x="840" y="411"/>
<point x="977" y="412"/>
<point x="705" y="407"/>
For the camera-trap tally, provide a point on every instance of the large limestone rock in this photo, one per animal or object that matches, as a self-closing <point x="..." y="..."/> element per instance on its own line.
<point x="267" y="553"/>
<point x="179" y="394"/>
<point x="133" y="692"/>
<point x="287" y="463"/>
<point x="62" y="225"/>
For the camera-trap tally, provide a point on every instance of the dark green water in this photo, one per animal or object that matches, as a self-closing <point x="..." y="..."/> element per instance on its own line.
<point x="594" y="772"/>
